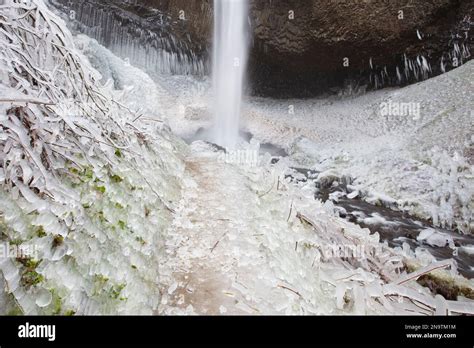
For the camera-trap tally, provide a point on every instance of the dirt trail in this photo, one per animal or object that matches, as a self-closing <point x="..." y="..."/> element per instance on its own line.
<point x="239" y="245"/>
<point x="199" y="271"/>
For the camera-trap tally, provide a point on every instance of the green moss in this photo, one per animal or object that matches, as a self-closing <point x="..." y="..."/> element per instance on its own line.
<point x="122" y="224"/>
<point x="118" y="153"/>
<point x="29" y="263"/>
<point x="70" y="313"/>
<point x="100" y="215"/>
<point x="57" y="304"/>
<point x="116" y="179"/>
<point x="86" y="175"/>
<point x="15" y="312"/>
<point x="117" y="290"/>
<point x="58" y="240"/>
<point x="12" y="307"/>
<point x="309" y="246"/>
<point x="442" y="284"/>
<point x="100" y="189"/>
<point x="119" y="206"/>
<point x="89" y="173"/>
<point x="446" y="287"/>
<point x="29" y="276"/>
<point x="40" y="232"/>
<point x="74" y="170"/>
<point x="16" y="242"/>
<point x="101" y="278"/>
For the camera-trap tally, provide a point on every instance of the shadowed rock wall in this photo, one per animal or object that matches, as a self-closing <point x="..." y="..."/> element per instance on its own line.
<point x="304" y="47"/>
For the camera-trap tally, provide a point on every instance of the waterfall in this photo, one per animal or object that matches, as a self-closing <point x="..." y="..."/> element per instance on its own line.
<point x="229" y="65"/>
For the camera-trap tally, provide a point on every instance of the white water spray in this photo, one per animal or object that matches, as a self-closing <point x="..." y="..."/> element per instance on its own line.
<point x="229" y="65"/>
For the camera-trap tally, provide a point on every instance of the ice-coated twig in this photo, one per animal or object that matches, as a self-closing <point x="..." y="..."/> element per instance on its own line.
<point x="26" y="101"/>
<point x="424" y="270"/>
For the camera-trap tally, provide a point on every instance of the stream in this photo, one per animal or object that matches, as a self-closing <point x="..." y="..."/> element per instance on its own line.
<point x="396" y="227"/>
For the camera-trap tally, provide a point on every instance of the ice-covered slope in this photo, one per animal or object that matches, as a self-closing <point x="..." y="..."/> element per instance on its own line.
<point x="246" y="241"/>
<point x="124" y="218"/>
<point x="87" y="188"/>
<point x="232" y="246"/>
<point x="420" y="155"/>
<point x="418" y="158"/>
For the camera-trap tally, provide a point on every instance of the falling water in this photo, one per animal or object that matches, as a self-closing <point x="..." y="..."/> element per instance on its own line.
<point x="230" y="58"/>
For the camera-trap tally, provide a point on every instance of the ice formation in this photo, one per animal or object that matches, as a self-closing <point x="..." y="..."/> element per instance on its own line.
<point x="156" y="50"/>
<point x="419" y="68"/>
<point x="129" y="220"/>
<point x="275" y="250"/>
<point x="83" y="180"/>
<point x="418" y="163"/>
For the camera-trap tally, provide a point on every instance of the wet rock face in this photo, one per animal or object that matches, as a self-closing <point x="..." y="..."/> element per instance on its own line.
<point x="303" y="47"/>
<point x="310" y="45"/>
<point x="319" y="29"/>
<point x="161" y="36"/>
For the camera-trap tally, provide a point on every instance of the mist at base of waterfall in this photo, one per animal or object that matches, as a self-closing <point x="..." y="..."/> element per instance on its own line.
<point x="229" y="64"/>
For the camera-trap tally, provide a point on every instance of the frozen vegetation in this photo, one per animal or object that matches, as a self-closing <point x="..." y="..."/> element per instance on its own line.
<point x="417" y="160"/>
<point x="123" y="217"/>
<point x="86" y="190"/>
<point x="410" y="148"/>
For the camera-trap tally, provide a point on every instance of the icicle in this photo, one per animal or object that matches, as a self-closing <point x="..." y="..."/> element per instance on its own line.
<point x="465" y="51"/>
<point x="138" y="45"/>
<point x="399" y="76"/>
<point x="406" y="67"/>
<point x="419" y="35"/>
<point x="443" y="65"/>
<point x="457" y="51"/>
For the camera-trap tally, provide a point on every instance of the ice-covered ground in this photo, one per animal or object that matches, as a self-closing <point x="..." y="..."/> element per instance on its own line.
<point x="410" y="148"/>
<point x="417" y="158"/>
<point x="244" y="240"/>
<point x="155" y="226"/>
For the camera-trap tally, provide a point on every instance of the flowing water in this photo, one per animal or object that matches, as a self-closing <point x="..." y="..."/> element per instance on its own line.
<point x="396" y="227"/>
<point x="230" y="58"/>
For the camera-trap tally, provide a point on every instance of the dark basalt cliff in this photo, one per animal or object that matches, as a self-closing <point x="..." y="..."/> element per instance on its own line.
<point x="329" y="42"/>
<point x="304" y="47"/>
